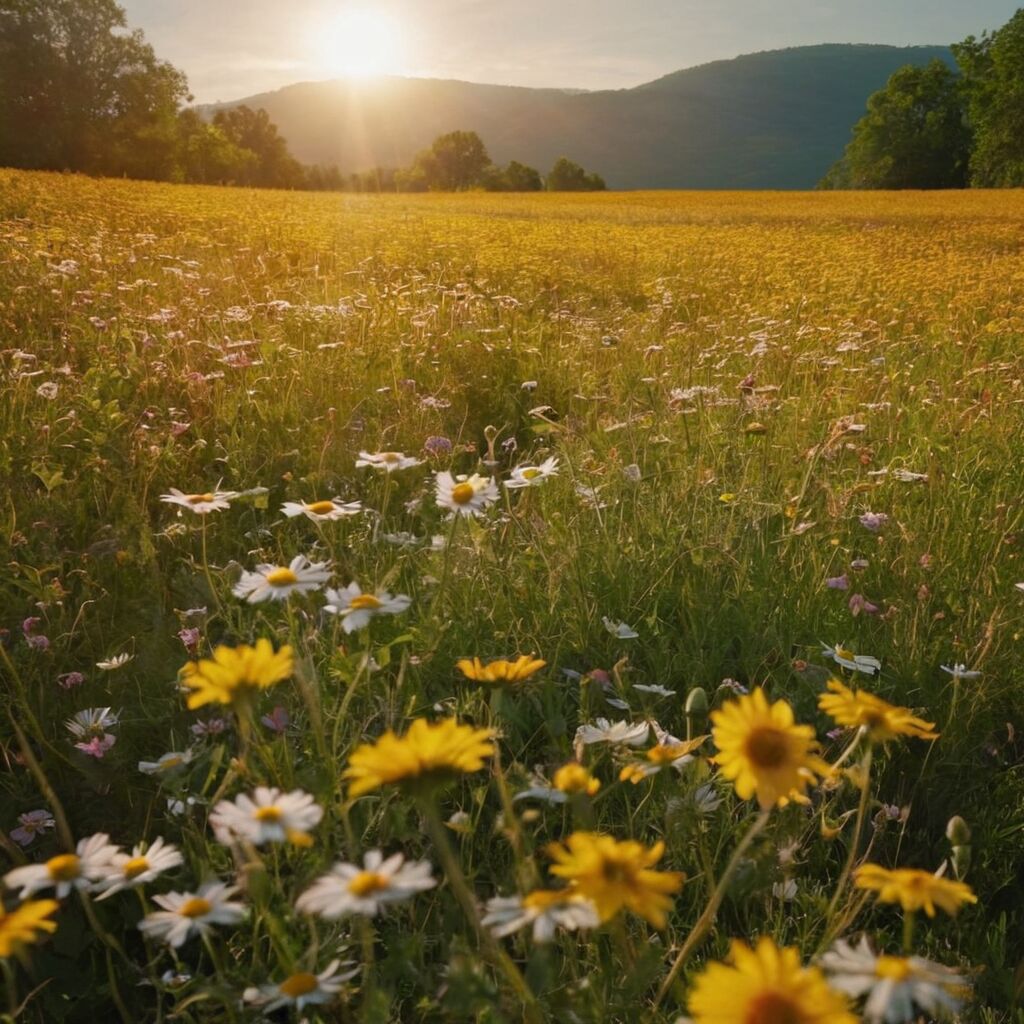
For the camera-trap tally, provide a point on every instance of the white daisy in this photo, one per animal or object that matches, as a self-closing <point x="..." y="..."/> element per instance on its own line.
<point x="545" y="909"/>
<point x="465" y="495"/>
<point x="532" y="476"/>
<point x="388" y="461"/>
<point x="658" y="691"/>
<point x="853" y="662"/>
<point x="322" y="511"/>
<point x="268" y="816"/>
<point x="350" y="889"/>
<point x="602" y="731"/>
<point x="960" y="671"/>
<point x="212" y="501"/>
<point x="619" y="630"/>
<point x="894" y="985"/>
<point x="277" y="582"/>
<point x="91" y="722"/>
<point x="116" y="662"/>
<point x="186" y="914"/>
<point x="142" y="865"/>
<point x="66" y="871"/>
<point x="356" y="608"/>
<point x="301" y="989"/>
<point x="166" y="764"/>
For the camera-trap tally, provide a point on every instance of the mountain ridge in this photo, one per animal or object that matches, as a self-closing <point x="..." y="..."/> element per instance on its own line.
<point x="770" y="119"/>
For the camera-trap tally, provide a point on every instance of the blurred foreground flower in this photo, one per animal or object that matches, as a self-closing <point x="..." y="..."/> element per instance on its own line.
<point x="913" y="889"/>
<point x="186" y="914"/>
<point x="765" y="985"/>
<point x="880" y="720"/>
<point x="351" y="889"/>
<point x="26" y="925"/>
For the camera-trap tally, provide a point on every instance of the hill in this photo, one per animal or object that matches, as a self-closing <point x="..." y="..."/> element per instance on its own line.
<point x="776" y="119"/>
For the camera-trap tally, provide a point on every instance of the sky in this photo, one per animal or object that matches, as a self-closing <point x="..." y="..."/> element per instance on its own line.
<point x="236" y="48"/>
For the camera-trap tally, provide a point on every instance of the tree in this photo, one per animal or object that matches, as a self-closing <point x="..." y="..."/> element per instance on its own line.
<point x="993" y="74"/>
<point x="567" y="176"/>
<point x="79" y="92"/>
<point x="914" y="135"/>
<point x="250" y="129"/>
<point x="520" y="178"/>
<point x="455" y="162"/>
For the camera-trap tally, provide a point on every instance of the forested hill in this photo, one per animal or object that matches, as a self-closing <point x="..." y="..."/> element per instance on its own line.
<point x="777" y="119"/>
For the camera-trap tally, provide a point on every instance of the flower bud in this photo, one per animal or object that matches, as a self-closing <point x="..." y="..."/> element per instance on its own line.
<point x="696" y="703"/>
<point x="957" y="831"/>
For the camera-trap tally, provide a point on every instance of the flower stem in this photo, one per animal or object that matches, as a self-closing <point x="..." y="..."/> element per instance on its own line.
<point x="457" y="880"/>
<point x="707" y="918"/>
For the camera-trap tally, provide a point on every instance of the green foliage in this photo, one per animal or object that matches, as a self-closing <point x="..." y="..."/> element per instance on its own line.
<point x="993" y="70"/>
<point x="567" y="176"/>
<point x="914" y="135"/>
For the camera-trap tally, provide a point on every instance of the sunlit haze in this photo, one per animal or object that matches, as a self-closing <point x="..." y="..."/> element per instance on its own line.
<point x="234" y="48"/>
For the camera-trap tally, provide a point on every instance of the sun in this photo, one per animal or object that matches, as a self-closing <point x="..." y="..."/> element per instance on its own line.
<point x="359" y="42"/>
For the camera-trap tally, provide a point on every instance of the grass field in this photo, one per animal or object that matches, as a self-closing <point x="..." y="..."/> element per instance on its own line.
<point x="781" y="421"/>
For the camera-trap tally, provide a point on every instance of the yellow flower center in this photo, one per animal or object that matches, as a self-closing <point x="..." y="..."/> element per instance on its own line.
<point x="195" y="907"/>
<point x="873" y="718"/>
<point x="271" y="814"/>
<point x="171" y="762"/>
<point x="895" y="967"/>
<point x="391" y="456"/>
<point x="135" y="867"/>
<point x="845" y="652"/>
<point x="281" y="577"/>
<point x="531" y="473"/>
<point x="64" y="868"/>
<point x="616" y="872"/>
<point x="300" y="984"/>
<point x="320" y="508"/>
<point x="365" y="601"/>
<point x="773" y="1008"/>
<point x="767" y="747"/>
<point x="543" y="899"/>
<point x="367" y="882"/>
<point x="462" y="493"/>
<point x="198" y="499"/>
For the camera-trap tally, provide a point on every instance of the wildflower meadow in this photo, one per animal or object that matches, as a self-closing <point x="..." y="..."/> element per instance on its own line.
<point x="582" y="608"/>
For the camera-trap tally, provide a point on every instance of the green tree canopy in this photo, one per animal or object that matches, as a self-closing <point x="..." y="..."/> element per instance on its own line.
<point x="79" y="92"/>
<point x="914" y="135"/>
<point x="567" y="176"/>
<point x="993" y="72"/>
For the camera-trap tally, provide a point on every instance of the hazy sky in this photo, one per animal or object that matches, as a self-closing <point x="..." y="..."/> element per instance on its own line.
<point x="233" y="48"/>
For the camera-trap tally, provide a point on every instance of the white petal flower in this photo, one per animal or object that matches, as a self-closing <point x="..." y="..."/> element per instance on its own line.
<point x="388" y="461"/>
<point x="658" y="691"/>
<point x="66" y="871"/>
<point x="142" y="865"/>
<point x="351" y="889"/>
<point x="166" y="764"/>
<point x="602" y="731"/>
<point x="356" y="608"/>
<point x="532" y="476"/>
<point x="268" y="816"/>
<point x="212" y="501"/>
<point x="91" y="722"/>
<point x="301" y="989"/>
<point x="853" y="662"/>
<point x="960" y="671"/>
<point x="465" y="495"/>
<point x="619" y="630"/>
<point x="896" y="987"/>
<point x="186" y="914"/>
<point x="322" y="511"/>
<point x="116" y="662"/>
<point x="546" y="910"/>
<point x="276" y="582"/>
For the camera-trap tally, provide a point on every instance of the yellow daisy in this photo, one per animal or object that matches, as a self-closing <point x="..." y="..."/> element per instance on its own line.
<point x="235" y="672"/>
<point x="883" y="721"/>
<point x="762" y="751"/>
<point x="25" y="924"/>
<point x="913" y="889"/>
<point x="766" y="985"/>
<point x="500" y="671"/>
<point x="574" y="778"/>
<point x="429" y="751"/>
<point x="616" y="875"/>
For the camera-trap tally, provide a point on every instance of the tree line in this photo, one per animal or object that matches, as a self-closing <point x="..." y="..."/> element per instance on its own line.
<point x="939" y="126"/>
<point x="79" y="91"/>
